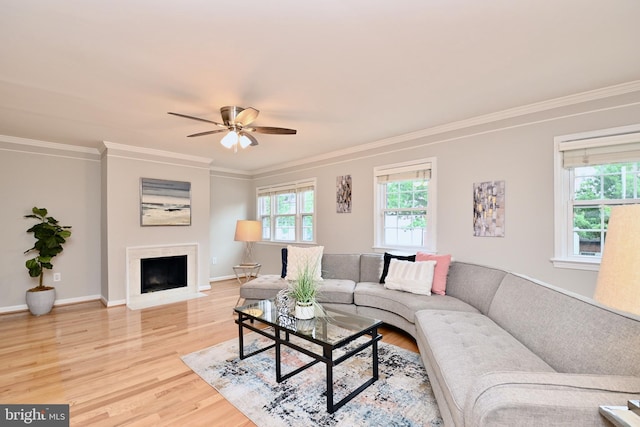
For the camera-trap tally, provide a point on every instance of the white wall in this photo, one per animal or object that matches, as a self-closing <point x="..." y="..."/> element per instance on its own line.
<point x="517" y="150"/>
<point x="67" y="184"/>
<point x="67" y="181"/>
<point x="231" y="199"/>
<point x="122" y="169"/>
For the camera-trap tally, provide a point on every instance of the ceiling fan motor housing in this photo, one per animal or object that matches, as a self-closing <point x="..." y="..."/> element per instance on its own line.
<point x="229" y="114"/>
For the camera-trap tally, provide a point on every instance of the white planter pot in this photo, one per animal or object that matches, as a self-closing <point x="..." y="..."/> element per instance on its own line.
<point x="41" y="302"/>
<point x="305" y="310"/>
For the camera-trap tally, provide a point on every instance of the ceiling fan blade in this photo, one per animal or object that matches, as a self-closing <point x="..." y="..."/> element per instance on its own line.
<point x="196" y="118"/>
<point x="247" y="116"/>
<point x="252" y="138"/>
<point x="271" y="130"/>
<point x="209" y="132"/>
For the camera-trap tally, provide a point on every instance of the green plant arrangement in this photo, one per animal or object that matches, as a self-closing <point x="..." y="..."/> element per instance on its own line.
<point x="305" y="288"/>
<point x="50" y="236"/>
<point x="304" y="291"/>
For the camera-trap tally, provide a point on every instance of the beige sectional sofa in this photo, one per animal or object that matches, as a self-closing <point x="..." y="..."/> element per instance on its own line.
<point x="500" y="349"/>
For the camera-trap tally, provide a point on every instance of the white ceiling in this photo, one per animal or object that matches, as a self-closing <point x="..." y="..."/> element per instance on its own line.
<point x="343" y="73"/>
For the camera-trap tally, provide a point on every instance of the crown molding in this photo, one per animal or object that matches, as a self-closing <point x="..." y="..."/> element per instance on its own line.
<point x="46" y="144"/>
<point x="537" y="107"/>
<point x="106" y="145"/>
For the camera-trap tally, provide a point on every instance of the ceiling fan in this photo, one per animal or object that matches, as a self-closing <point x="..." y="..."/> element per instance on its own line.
<point x="236" y="121"/>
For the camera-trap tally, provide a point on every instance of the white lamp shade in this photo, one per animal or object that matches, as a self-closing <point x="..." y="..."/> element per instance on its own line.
<point x="618" y="283"/>
<point x="230" y="139"/>
<point x="248" y="231"/>
<point x="244" y="141"/>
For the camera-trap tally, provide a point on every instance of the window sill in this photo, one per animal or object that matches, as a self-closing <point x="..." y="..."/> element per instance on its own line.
<point x="576" y="264"/>
<point x="403" y="250"/>
<point x="285" y="243"/>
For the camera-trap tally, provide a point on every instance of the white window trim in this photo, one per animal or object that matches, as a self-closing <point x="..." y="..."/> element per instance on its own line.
<point x="563" y="218"/>
<point x="294" y="185"/>
<point x="431" y="239"/>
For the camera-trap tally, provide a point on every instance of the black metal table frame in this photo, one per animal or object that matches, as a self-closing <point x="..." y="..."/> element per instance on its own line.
<point x="326" y="357"/>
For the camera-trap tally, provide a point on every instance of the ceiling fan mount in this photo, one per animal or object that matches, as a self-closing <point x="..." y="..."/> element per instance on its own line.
<point x="235" y="121"/>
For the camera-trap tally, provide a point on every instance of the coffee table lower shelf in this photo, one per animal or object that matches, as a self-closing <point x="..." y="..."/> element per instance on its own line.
<point x="281" y="336"/>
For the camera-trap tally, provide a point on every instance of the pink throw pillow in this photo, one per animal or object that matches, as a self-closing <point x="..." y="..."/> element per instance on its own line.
<point x="440" y="274"/>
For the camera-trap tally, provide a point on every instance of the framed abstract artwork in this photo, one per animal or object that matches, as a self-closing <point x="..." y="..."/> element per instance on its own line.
<point x="164" y="202"/>
<point x="488" y="209"/>
<point x="343" y="194"/>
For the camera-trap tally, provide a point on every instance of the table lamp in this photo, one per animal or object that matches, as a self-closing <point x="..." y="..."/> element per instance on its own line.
<point x="618" y="284"/>
<point x="249" y="232"/>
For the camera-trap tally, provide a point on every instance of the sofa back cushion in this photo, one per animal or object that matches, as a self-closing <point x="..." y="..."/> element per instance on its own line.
<point x="371" y="267"/>
<point x="341" y="266"/>
<point x="474" y="284"/>
<point x="571" y="333"/>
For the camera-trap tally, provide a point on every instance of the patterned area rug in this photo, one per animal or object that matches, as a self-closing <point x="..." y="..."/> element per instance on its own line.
<point x="402" y="395"/>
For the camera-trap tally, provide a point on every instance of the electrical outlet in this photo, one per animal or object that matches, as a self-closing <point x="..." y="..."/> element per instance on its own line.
<point x="57" y="277"/>
<point x="214" y="260"/>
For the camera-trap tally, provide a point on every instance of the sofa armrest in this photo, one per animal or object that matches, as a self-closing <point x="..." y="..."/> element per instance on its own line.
<point x="543" y="398"/>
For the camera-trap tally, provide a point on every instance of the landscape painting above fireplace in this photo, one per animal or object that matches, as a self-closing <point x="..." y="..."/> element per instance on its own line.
<point x="164" y="202"/>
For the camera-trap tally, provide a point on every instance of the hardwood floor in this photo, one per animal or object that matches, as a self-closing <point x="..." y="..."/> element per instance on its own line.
<point x="116" y="366"/>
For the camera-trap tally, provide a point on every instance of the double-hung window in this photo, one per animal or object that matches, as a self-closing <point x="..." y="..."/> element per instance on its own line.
<point x="287" y="212"/>
<point x="594" y="172"/>
<point x="405" y="206"/>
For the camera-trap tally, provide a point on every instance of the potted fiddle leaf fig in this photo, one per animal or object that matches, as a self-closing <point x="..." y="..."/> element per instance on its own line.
<point x="50" y="236"/>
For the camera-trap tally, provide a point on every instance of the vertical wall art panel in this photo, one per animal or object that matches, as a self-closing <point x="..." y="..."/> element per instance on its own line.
<point x="488" y="209"/>
<point x="164" y="202"/>
<point x="343" y="194"/>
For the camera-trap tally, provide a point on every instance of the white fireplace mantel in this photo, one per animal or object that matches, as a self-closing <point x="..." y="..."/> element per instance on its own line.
<point x="136" y="299"/>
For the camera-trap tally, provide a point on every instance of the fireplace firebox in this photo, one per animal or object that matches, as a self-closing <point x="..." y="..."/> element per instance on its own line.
<point x="162" y="273"/>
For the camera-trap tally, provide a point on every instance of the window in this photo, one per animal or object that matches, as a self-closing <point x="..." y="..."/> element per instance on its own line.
<point x="287" y="212"/>
<point x="594" y="171"/>
<point x="405" y="205"/>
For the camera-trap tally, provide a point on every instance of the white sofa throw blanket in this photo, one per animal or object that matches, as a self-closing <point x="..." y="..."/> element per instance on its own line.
<point x="414" y="277"/>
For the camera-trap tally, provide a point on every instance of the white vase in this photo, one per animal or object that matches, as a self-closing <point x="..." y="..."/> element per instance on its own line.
<point x="305" y="310"/>
<point x="41" y="302"/>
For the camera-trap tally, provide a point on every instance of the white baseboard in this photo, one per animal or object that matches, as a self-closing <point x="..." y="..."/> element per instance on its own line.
<point x="58" y="302"/>
<point x="14" y="308"/>
<point x="221" y="278"/>
<point x="113" y="303"/>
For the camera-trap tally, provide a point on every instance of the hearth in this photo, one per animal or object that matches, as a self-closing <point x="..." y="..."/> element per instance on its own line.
<point x="172" y="268"/>
<point x="162" y="273"/>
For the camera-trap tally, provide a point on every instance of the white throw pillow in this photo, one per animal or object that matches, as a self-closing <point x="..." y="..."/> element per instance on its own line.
<point x="298" y="257"/>
<point x="415" y="277"/>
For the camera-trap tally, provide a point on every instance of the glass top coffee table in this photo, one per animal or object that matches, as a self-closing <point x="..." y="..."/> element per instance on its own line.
<point x="330" y="330"/>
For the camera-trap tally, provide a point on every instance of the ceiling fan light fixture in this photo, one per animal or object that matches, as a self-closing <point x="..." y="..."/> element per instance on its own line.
<point x="230" y="139"/>
<point x="244" y="141"/>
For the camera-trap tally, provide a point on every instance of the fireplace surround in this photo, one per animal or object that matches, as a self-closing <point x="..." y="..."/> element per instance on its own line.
<point x="137" y="299"/>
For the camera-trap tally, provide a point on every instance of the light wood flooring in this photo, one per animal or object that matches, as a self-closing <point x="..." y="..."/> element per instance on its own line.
<point x="116" y="366"/>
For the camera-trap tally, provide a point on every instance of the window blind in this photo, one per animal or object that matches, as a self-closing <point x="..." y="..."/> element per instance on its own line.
<point x="597" y="151"/>
<point x="404" y="173"/>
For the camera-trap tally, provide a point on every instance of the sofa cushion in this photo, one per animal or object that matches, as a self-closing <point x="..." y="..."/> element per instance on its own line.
<point x="263" y="287"/>
<point x="368" y="294"/>
<point x="336" y="291"/>
<point x="474" y="284"/>
<point x="299" y="259"/>
<point x="543" y="399"/>
<point x="283" y="255"/>
<point x="413" y="277"/>
<point x="441" y="272"/>
<point x="341" y="266"/>
<point x="268" y="285"/>
<point x="572" y="333"/>
<point x="461" y="346"/>
<point x="387" y="259"/>
<point x="370" y="267"/>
